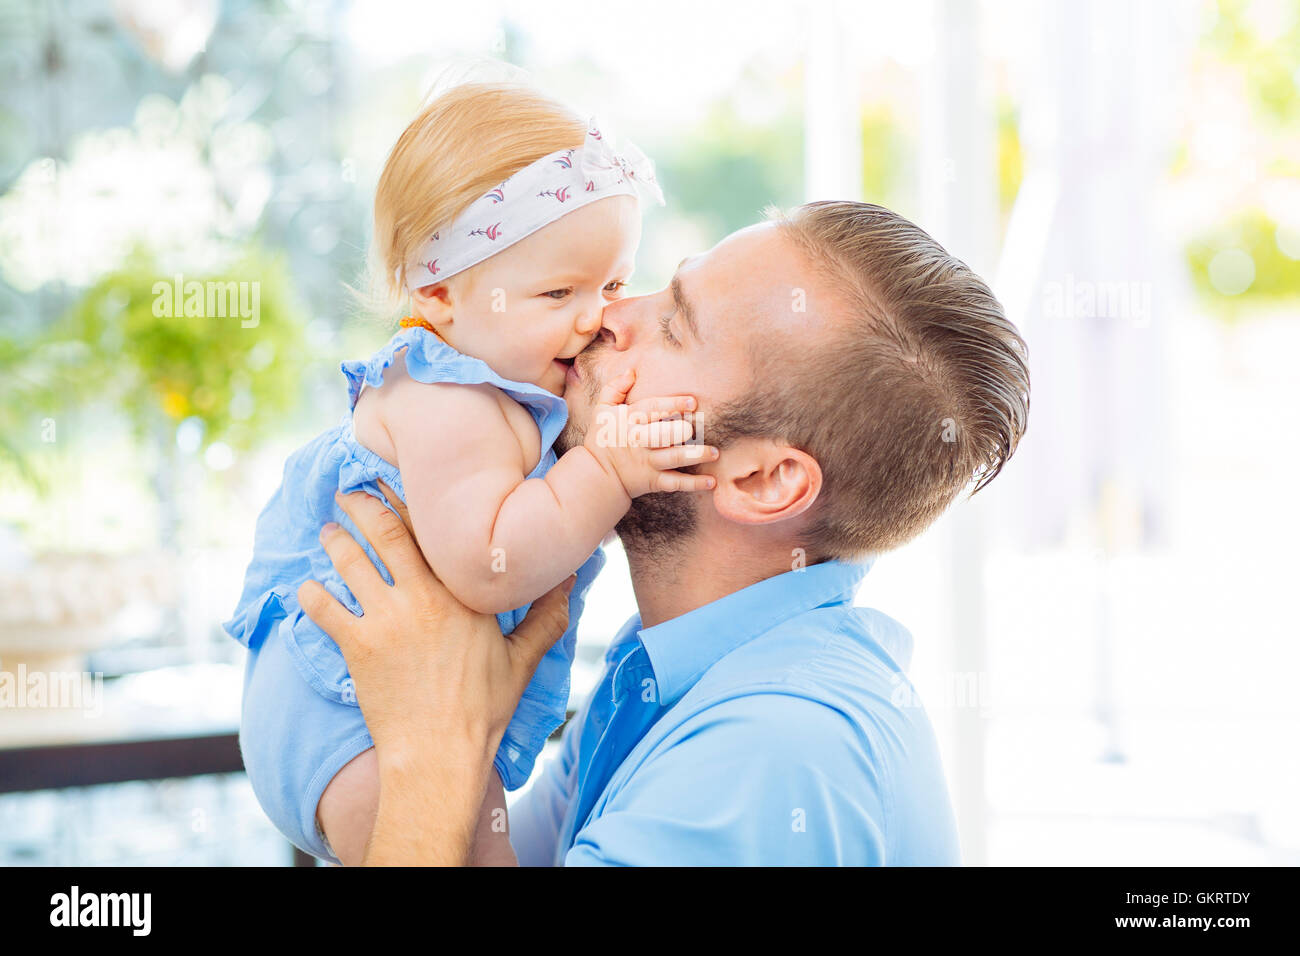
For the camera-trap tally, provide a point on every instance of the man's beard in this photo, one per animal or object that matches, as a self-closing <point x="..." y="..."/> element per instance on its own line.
<point x="654" y="524"/>
<point x="574" y="432"/>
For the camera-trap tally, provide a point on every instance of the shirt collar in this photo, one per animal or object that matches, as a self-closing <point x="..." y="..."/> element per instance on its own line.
<point x="682" y="649"/>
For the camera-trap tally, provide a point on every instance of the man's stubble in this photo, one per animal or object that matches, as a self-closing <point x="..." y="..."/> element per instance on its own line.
<point x="655" y="524"/>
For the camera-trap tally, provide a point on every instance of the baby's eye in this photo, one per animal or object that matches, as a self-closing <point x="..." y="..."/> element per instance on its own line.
<point x="614" y="286"/>
<point x="557" y="293"/>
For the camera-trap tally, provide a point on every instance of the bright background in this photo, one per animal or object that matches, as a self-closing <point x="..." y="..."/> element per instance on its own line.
<point x="1105" y="638"/>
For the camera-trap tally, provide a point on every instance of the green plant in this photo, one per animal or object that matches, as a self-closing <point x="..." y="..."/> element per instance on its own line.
<point x="146" y="351"/>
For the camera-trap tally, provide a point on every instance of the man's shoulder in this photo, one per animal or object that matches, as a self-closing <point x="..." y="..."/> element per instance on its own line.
<point x="822" y="704"/>
<point x="848" y="659"/>
<point x="827" y="690"/>
<point x="787" y="749"/>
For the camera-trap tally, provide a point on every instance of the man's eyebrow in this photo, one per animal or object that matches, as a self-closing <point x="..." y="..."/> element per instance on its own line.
<point x="684" y="306"/>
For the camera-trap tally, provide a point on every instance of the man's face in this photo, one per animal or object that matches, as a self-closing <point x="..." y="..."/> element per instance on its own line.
<point x="696" y="337"/>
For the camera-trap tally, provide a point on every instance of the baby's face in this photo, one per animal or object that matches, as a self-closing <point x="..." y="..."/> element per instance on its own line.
<point x="528" y="310"/>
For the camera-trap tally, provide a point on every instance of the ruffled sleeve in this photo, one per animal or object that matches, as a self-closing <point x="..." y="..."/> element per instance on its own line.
<point x="429" y="360"/>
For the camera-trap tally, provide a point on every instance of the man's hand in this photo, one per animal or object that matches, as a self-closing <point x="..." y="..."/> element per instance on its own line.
<point x="437" y="683"/>
<point x="643" y="443"/>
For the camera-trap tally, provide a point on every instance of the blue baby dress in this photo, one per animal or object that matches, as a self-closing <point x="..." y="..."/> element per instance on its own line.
<point x="301" y="723"/>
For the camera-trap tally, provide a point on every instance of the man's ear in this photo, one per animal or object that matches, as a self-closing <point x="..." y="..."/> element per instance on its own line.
<point x="435" y="304"/>
<point x="761" y="481"/>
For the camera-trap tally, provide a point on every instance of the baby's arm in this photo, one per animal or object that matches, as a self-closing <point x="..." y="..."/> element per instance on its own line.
<point x="496" y="539"/>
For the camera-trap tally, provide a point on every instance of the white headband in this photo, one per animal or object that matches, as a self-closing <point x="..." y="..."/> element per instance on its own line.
<point x="534" y="197"/>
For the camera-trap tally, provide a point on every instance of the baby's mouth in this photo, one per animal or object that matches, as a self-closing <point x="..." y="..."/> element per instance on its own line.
<point x="567" y="369"/>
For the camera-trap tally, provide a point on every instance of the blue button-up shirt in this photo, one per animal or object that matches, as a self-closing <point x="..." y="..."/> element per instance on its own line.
<point x="775" y="725"/>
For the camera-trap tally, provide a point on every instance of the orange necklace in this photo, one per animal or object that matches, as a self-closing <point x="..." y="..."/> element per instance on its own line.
<point x="417" y="322"/>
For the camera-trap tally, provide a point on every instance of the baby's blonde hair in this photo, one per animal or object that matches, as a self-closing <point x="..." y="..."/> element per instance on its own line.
<point x="463" y="143"/>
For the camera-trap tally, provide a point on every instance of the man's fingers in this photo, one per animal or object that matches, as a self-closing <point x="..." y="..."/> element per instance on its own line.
<point x="615" y="390"/>
<point x="679" y="456"/>
<point x="328" y="614"/>
<point x="680" y="481"/>
<point x="352" y="563"/>
<point x="660" y="434"/>
<point x="387" y="535"/>
<point x="545" y="623"/>
<point x="398" y="504"/>
<point x="664" y="406"/>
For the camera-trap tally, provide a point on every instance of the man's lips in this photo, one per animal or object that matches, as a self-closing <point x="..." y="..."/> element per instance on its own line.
<point x="576" y="372"/>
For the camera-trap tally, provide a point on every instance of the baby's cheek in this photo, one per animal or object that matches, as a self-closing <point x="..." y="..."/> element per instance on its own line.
<point x="537" y="356"/>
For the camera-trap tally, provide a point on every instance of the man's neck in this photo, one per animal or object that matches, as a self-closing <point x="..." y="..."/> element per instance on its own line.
<point x="671" y="582"/>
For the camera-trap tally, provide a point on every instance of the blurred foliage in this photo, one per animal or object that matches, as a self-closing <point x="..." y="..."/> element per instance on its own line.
<point x="727" y="170"/>
<point x="1277" y="276"/>
<point x="37" y="377"/>
<point x="125" y="346"/>
<point x="251" y="114"/>
<point x="1269" y="66"/>
<point x="1266" y="54"/>
<point x="1011" y="157"/>
<point x="888" y="149"/>
<point x="113" y="350"/>
<point x="884" y="155"/>
<point x="158" y="365"/>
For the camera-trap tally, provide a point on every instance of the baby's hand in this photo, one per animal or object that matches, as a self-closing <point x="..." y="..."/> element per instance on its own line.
<point x="644" y="442"/>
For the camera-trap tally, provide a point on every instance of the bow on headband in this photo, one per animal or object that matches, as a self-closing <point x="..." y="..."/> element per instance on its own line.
<point x="532" y="198"/>
<point x="602" y="166"/>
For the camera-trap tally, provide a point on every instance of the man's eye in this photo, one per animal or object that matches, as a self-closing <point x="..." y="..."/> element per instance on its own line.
<point x="668" y="333"/>
<point x="557" y="293"/>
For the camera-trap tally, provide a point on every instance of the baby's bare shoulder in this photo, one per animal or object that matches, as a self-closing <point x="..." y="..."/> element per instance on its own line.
<point x="458" y="413"/>
<point x="402" y="392"/>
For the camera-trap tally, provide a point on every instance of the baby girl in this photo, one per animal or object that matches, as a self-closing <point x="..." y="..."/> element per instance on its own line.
<point x="509" y="223"/>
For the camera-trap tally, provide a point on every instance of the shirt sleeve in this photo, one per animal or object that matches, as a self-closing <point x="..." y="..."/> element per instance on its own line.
<point x="537" y="816"/>
<point x="760" y="780"/>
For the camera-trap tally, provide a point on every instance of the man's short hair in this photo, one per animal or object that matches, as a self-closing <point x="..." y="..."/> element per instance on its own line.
<point x="919" y="388"/>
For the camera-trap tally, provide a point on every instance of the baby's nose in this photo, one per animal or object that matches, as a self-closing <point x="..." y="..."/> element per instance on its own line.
<point x="588" y="321"/>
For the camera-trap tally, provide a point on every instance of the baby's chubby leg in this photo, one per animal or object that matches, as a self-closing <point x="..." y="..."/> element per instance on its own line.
<point x="347" y="808"/>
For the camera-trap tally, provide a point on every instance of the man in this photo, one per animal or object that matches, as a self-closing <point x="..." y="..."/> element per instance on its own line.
<point x="856" y="378"/>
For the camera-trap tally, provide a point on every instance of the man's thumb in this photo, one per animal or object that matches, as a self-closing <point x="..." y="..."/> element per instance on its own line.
<point x="543" y="625"/>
